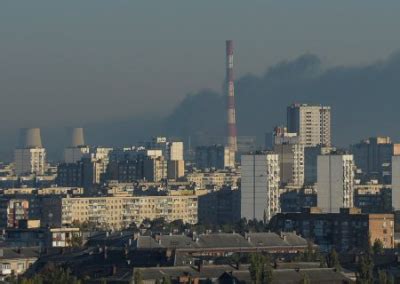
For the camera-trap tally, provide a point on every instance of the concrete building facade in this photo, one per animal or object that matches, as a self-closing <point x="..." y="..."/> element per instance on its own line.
<point x="396" y="182"/>
<point x="335" y="182"/>
<point x="348" y="229"/>
<point x="291" y="163"/>
<point x="312" y="124"/>
<point x="260" y="186"/>
<point x="216" y="156"/>
<point x="30" y="161"/>
<point x="120" y="212"/>
<point x="374" y="155"/>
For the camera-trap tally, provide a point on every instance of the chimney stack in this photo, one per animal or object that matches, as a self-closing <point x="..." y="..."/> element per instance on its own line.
<point x="30" y="138"/>
<point x="230" y="92"/>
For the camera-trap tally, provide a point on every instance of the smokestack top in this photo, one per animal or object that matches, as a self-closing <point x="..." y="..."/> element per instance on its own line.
<point x="30" y="138"/>
<point x="229" y="47"/>
<point x="77" y="138"/>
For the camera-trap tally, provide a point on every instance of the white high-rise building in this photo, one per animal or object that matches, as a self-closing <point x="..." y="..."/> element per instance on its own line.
<point x="100" y="157"/>
<point x="30" y="161"/>
<point x="291" y="156"/>
<point x="311" y="123"/>
<point x="30" y="157"/>
<point x="396" y="182"/>
<point x="335" y="182"/>
<point x="174" y="151"/>
<point x="260" y="186"/>
<point x="291" y="163"/>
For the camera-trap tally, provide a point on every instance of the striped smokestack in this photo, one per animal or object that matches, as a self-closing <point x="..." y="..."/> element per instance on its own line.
<point x="230" y="91"/>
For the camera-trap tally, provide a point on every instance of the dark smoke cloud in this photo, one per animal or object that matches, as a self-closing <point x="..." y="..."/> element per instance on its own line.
<point x="365" y="102"/>
<point x="364" y="99"/>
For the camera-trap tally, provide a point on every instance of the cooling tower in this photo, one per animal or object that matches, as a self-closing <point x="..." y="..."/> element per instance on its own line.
<point x="77" y="138"/>
<point x="30" y="138"/>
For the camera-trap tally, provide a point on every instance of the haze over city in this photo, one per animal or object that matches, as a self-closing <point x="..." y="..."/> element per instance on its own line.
<point x="132" y="64"/>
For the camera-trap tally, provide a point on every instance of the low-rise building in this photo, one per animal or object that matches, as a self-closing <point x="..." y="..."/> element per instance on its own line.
<point x="293" y="199"/>
<point x="214" y="179"/>
<point x="347" y="230"/>
<point x="15" y="261"/>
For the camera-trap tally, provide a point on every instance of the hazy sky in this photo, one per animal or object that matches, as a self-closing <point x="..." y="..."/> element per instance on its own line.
<point x="75" y="62"/>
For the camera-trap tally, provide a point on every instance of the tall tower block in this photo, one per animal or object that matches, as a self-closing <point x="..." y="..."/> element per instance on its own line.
<point x="230" y="91"/>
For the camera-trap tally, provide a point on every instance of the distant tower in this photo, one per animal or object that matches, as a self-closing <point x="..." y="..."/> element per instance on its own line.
<point x="230" y="91"/>
<point x="77" y="138"/>
<point x="77" y="149"/>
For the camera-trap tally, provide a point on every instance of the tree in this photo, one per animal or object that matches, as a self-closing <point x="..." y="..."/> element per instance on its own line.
<point x="384" y="278"/>
<point x="365" y="269"/>
<point x="333" y="260"/>
<point x="260" y="269"/>
<point x="306" y="279"/>
<point x="166" y="280"/>
<point x="138" y="277"/>
<point x="378" y="248"/>
<point x="267" y="274"/>
<point x="322" y="261"/>
<point x="76" y="240"/>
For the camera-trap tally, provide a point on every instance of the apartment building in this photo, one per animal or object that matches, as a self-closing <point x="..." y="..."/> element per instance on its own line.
<point x="335" y="182"/>
<point x="312" y="123"/>
<point x="260" y="186"/>
<point x="120" y="211"/>
<point x="345" y="230"/>
<point x="213" y="178"/>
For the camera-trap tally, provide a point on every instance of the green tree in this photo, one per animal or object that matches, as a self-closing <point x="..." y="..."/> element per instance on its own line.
<point x="378" y="248"/>
<point x="267" y="274"/>
<point x="260" y="269"/>
<point x="138" y="277"/>
<point x="333" y="260"/>
<point x="166" y="280"/>
<point x="365" y="269"/>
<point x="322" y="261"/>
<point x="76" y="240"/>
<point x="384" y="278"/>
<point x="306" y="279"/>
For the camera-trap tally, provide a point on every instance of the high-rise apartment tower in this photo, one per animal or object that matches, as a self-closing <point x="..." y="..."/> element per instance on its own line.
<point x="312" y="124"/>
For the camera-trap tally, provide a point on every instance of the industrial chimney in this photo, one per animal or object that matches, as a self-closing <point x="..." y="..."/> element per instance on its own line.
<point x="230" y="92"/>
<point x="30" y="138"/>
<point x="77" y="138"/>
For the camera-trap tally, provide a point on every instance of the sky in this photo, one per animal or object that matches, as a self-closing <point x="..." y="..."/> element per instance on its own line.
<point x="80" y="62"/>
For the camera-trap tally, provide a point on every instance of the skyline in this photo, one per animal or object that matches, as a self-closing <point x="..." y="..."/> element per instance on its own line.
<point x="109" y="63"/>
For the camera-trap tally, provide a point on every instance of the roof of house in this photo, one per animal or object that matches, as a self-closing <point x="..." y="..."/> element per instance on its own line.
<point x="221" y="240"/>
<point x="315" y="275"/>
<point x="18" y="253"/>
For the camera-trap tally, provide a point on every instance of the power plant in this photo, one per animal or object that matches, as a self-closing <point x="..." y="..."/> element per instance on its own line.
<point x="30" y="138"/>
<point x="77" y="137"/>
<point x="77" y="149"/>
<point x="230" y="92"/>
